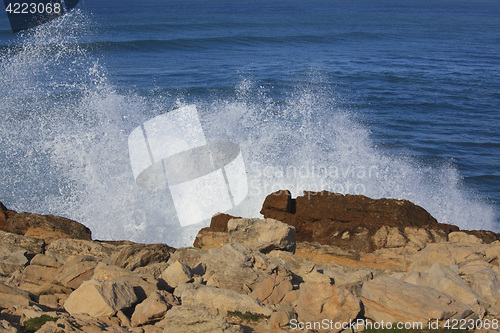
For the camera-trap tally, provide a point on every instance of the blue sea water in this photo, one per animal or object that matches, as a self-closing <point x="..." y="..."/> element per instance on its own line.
<point x="383" y="98"/>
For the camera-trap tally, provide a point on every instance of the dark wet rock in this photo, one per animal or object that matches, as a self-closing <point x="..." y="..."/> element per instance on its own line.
<point x="347" y="221"/>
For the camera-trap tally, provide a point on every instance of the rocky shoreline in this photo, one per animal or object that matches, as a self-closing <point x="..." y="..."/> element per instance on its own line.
<point x="314" y="263"/>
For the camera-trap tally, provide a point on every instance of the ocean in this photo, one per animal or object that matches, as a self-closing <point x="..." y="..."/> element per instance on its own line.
<point x="396" y="99"/>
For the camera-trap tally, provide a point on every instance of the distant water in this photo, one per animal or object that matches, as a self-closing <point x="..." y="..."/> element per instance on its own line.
<point x="392" y="99"/>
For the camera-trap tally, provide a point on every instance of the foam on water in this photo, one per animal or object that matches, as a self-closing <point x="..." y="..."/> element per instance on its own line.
<point x="64" y="131"/>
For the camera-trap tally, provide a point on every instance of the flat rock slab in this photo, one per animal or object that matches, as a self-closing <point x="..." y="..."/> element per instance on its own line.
<point x="182" y="319"/>
<point x="100" y="298"/>
<point x="392" y="300"/>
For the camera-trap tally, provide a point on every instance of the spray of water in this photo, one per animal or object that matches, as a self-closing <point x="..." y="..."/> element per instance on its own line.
<point x="64" y="131"/>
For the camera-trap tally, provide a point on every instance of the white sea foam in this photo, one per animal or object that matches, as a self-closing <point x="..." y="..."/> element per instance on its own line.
<point x="64" y="131"/>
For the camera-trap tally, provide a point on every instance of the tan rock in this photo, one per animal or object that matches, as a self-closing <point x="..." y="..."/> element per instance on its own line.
<point x="444" y="279"/>
<point x="272" y="290"/>
<point x="236" y="267"/>
<point x="309" y="272"/>
<point x="54" y="261"/>
<point x="10" y="297"/>
<point x="75" y="271"/>
<point x="287" y="259"/>
<point x="38" y="274"/>
<point x="6" y="327"/>
<point x="134" y="256"/>
<point x="154" y="270"/>
<point x="487" y="284"/>
<point x="52" y="301"/>
<point x="462" y="237"/>
<point x="264" y="235"/>
<point x="191" y="256"/>
<point x="176" y="274"/>
<point x="282" y="316"/>
<point x="207" y="239"/>
<point x="393" y="300"/>
<point x="100" y="298"/>
<point x="449" y="254"/>
<point x="318" y="301"/>
<point x="124" y="320"/>
<point x="11" y="262"/>
<point x="219" y="301"/>
<point x="77" y="247"/>
<point x="420" y="237"/>
<point x="492" y="252"/>
<point x="153" y="308"/>
<point x="182" y="319"/>
<point x="10" y="242"/>
<point x="143" y="286"/>
<point x="343" y="275"/>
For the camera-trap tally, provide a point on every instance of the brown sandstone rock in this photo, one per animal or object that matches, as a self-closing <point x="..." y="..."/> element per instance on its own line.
<point x="349" y="221"/>
<point x="208" y="239"/>
<point x="47" y="227"/>
<point x="4" y="216"/>
<point x="215" y="235"/>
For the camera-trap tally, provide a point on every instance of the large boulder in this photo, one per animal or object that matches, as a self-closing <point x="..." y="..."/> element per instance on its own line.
<point x="10" y="297"/>
<point x="144" y="285"/>
<point x="272" y="290"/>
<point x="392" y="300"/>
<point x="75" y="271"/>
<point x="47" y="227"/>
<point x="264" y="235"/>
<point x="220" y="301"/>
<point x="100" y="298"/>
<point x="450" y="254"/>
<point x="487" y="284"/>
<point x="444" y="279"/>
<point x="236" y="267"/>
<point x="139" y="255"/>
<point x="176" y="274"/>
<point x="183" y="319"/>
<point x="153" y="308"/>
<point x="349" y="221"/>
<point x="319" y="301"/>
